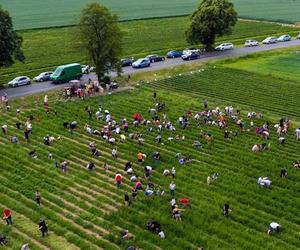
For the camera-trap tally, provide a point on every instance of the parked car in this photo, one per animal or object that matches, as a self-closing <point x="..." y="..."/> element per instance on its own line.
<point x="251" y="43"/>
<point x="224" y="46"/>
<point x="20" y="80"/>
<point x="174" y="54"/>
<point x="141" y="63"/>
<point x="284" y="38"/>
<point x="190" y="50"/>
<point x="65" y="73"/>
<point x="127" y="62"/>
<point x="92" y="68"/>
<point x="85" y="69"/>
<point x="191" y="56"/>
<point x="298" y="37"/>
<point x="155" y="58"/>
<point x="269" y="40"/>
<point x="45" y="76"/>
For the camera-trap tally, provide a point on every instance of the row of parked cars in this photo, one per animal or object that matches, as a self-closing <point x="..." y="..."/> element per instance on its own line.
<point x="74" y="71"/>
<point x="186" y="54"/>
<point x="194" y="53"/>
<point x="63" y="73"/>
<point x="270" y="40"/>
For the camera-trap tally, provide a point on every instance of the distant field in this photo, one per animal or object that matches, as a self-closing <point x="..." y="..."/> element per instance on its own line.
<point x="46" y="13"/>
<point x="283" y="65"/>
<point x="47" y="48"/>
<point x="275" y="10"/>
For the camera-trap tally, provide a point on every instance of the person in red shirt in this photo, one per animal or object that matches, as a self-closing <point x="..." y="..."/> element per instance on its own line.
<point x="7" y="216"/>
<point x="118" y="179"/>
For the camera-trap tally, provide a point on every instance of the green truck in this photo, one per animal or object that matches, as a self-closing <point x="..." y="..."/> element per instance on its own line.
<point x="65" y="73"/>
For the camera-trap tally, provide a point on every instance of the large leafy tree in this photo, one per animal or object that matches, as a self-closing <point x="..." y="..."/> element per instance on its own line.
<point x="211" y="19"/>
<point x="100" y="36"/>
<point x="10" y="41"/>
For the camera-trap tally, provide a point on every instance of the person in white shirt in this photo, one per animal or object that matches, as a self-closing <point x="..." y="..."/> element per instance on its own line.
<point x="264" y="181"/>
<point x="274" y="226"/>
<point x="173" y="172"/>
<point x="133" y="178"/>
<point x="28" y="126"/>
<point x="172" y="188"/>
<point x="130" y="171"/>
<point x="114" y="153"/>
<point x="4" y="129"/>
<point x="162" y="235"/>
<point x="297" y="133"/>
<point x="208" y="180"/>
<point x="255" y="148"/>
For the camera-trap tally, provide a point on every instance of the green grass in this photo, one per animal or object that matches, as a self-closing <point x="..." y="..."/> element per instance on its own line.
<point x="85" y="209"/>
<point x="282" y="11"/>
<point x="282" y="65"/>
<point x="45" y="49"/>
<point x="37" y="14"/>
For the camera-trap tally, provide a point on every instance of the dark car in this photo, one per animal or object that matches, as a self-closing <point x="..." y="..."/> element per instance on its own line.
<point x="155" y="58"/>
<point x="174" y="54"/>
<point x="127" y="61"/>
<point x="191" y="56"/>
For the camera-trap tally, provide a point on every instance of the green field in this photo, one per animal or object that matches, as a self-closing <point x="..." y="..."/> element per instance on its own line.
<point x="46" y="13"/>
<point x="281" y="65"/>
<point x="60" y="13"/>
<point x="47" y="48"/>
<point x="84" y="210"/>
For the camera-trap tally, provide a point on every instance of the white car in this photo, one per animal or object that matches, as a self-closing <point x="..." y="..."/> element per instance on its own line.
<point x="298" y="37"/>
<point x="269" y="40"/>
<point x="45" y="76"/>
<point x="224" y="46"/>
<point x="85" y="69"/>
<point x="284" y="38"/>
<point x="188" y="51"/>
<point x="18" y="81"/>
<point x="251" y="43"/>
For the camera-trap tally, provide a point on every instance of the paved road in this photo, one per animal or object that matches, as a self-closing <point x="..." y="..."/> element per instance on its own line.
<point x="45" y="86"/>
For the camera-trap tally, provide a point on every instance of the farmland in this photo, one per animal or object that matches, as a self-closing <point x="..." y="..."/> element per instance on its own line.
<point x="281" y="65"/>
<point x="46" y="48"/>
<point x="85" y="210"/>
<point x="38" y="14"/>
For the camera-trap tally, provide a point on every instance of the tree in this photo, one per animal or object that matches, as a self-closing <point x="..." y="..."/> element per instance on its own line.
<point x="10" y="41"/>
<point x="212" y="18"/>
<point x="100" y="36"/>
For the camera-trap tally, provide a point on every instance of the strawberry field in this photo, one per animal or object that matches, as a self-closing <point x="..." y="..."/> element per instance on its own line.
<point x="85" y="210"/>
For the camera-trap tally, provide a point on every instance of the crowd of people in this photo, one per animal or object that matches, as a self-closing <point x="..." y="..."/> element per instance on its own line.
<point x="114" y="132"/>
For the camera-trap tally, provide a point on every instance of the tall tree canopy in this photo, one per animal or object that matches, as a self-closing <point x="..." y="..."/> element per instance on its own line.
<point x="100" y="36"/>
<point x="211" y="19"/>
<point x="10" y="41"/>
